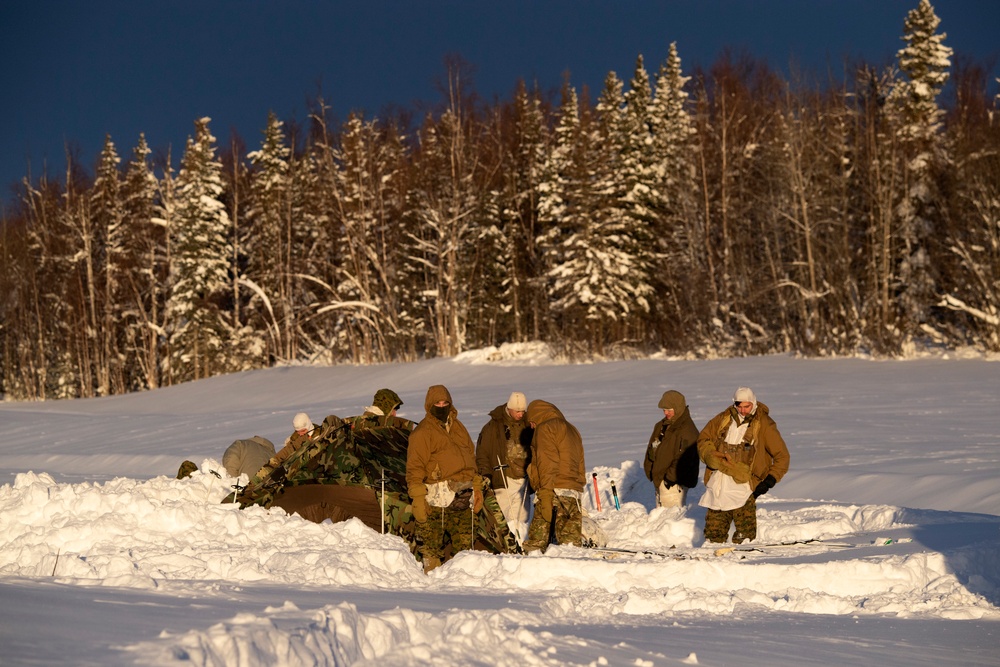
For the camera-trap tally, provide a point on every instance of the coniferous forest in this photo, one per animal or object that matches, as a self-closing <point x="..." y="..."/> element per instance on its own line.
<point x="717" y="212"/>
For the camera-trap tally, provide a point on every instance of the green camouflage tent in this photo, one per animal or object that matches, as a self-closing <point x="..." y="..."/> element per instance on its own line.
<point x="357" y="468"/>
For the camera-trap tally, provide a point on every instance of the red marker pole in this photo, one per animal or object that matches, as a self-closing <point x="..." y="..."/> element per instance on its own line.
<point x="597" y="494"/>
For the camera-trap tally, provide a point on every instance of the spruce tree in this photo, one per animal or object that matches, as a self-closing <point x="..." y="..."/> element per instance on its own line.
<point x="199" y="308"/>
<point x="263" y="241"/>
<point x="105" y="269"/>
<point x="140" y="271"/>
<point x="926" y="62"/>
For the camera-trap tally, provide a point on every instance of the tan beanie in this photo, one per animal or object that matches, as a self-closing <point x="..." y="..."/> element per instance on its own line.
<point x="672" y="400"/>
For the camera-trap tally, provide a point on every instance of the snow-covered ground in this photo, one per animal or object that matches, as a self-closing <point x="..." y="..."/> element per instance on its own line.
<point x="106" y="559"/>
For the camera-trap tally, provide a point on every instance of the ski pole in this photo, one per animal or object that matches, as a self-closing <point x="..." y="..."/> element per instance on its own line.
<point x="597" y="494"/>
<point x="614" y="492"/>
<point x="382" y="503"/>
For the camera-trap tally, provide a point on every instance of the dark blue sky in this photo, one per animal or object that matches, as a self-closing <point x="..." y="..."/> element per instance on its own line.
<point x="73" y="71"/>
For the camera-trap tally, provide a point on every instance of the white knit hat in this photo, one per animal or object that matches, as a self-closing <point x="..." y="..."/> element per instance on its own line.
<point x="302" y="422"/>
<point x="517" y="402"/>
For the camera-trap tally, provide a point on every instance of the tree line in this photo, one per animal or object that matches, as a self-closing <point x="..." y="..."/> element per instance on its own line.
<point x="727" y="212"/>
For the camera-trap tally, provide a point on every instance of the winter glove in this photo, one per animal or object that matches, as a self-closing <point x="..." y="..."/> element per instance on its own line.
<point x="479" y="486"/>
<point x="544" y="506"/>
<point x="740" y="472"/>
<point x="764" y="485"/>
<point x="419" y="494"/>
<point x="419" y="508"/>
<point x="714" y="461"/>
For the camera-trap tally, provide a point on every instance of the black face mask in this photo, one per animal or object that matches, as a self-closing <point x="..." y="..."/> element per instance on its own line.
<point x="441" y="413"/>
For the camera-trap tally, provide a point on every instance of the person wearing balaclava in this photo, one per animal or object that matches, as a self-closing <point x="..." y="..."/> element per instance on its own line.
<point x="671" y="462"/>
<point x="745" y="456"/>
<point x="441" y="479"/>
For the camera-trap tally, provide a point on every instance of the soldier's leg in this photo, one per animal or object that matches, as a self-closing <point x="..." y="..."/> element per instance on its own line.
<point x="717" y="525"/>
<point x="430" y="534"/>
<point x="492" y="529"/>
<point x="672" y="497"/>
<point x="458" y="523"/>
<point x="745" y="519"/>
<point x="569" y="521"/>
<point x="538" y="534"/>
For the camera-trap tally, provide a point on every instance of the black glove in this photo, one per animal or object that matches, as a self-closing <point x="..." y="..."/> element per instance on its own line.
<point x="764" y="486"/>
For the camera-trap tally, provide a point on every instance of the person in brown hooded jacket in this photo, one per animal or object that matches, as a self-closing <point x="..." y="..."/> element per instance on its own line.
<point x="501" y="456"/>
<point x="671" y="462"/>
<point x="441" y="479"/>
<point x="557" y="473"/>
<point x="745" y="456"/>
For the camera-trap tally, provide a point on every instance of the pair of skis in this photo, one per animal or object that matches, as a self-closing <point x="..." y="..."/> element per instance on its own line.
<point x="618" y="552"/>
<point x="597" y="494"/>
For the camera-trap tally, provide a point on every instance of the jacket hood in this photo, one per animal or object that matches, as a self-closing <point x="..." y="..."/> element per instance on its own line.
<point x="672" y="400"/>
<point x="540" y="411"/>
<point x="759" y="409"/>
<point x="435" y="394"/>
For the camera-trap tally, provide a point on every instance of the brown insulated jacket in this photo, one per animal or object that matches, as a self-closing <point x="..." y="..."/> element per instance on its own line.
<point x="769" y="455"/>
<point x="439" y="452"/>
<point x="672" y="452"/>
<point x="499" y="437"/>
<point x="556" y="450"/>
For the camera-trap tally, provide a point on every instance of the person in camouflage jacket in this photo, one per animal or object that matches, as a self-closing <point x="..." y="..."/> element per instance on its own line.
<point x="382" y="412"/>
<point x="743" y="443"/>
<point x="671" y="461"/>
<point x="557" y="473"/>
<point x="502" y="452"/>
<point x="441" y="479"/>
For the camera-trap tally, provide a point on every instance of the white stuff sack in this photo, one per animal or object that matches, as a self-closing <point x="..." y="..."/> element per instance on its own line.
<point x="439" y="494"/>
<point x="724" y="493"/>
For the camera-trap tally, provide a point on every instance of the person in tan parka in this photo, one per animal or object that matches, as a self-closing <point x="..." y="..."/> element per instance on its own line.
<point x="743" y="447"/>
<point x="441" y="478"/>
<point x="557" y="473"/>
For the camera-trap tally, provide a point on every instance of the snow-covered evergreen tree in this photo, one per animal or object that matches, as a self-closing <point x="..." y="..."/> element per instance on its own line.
<point x="104" y="244"/>
<point x="925" y="61"/>
<point x="678" y="234"/>
<point x="264" y="242"/>
<point x="596" y="279"/>
<point x="141" y="271"/>
<point x="199" y="314"/>
<point x="523" y="293"/>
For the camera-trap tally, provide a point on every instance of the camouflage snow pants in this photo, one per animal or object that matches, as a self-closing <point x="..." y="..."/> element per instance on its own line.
<point x="717" y="523"/>
<point x="444" y="525"/>
<point x="567" y="523"/>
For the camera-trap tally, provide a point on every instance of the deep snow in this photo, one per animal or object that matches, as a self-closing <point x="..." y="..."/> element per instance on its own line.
<point x="106" y="559"/>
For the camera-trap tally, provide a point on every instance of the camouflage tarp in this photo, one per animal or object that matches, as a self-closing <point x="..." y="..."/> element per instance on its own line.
<point x="354" y="468"/>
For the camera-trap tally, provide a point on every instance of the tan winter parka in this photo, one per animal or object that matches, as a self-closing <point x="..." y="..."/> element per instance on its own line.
<point x="770" y="454"/>
<point x="556" y="450"/>
<point x="437" y="451"/>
